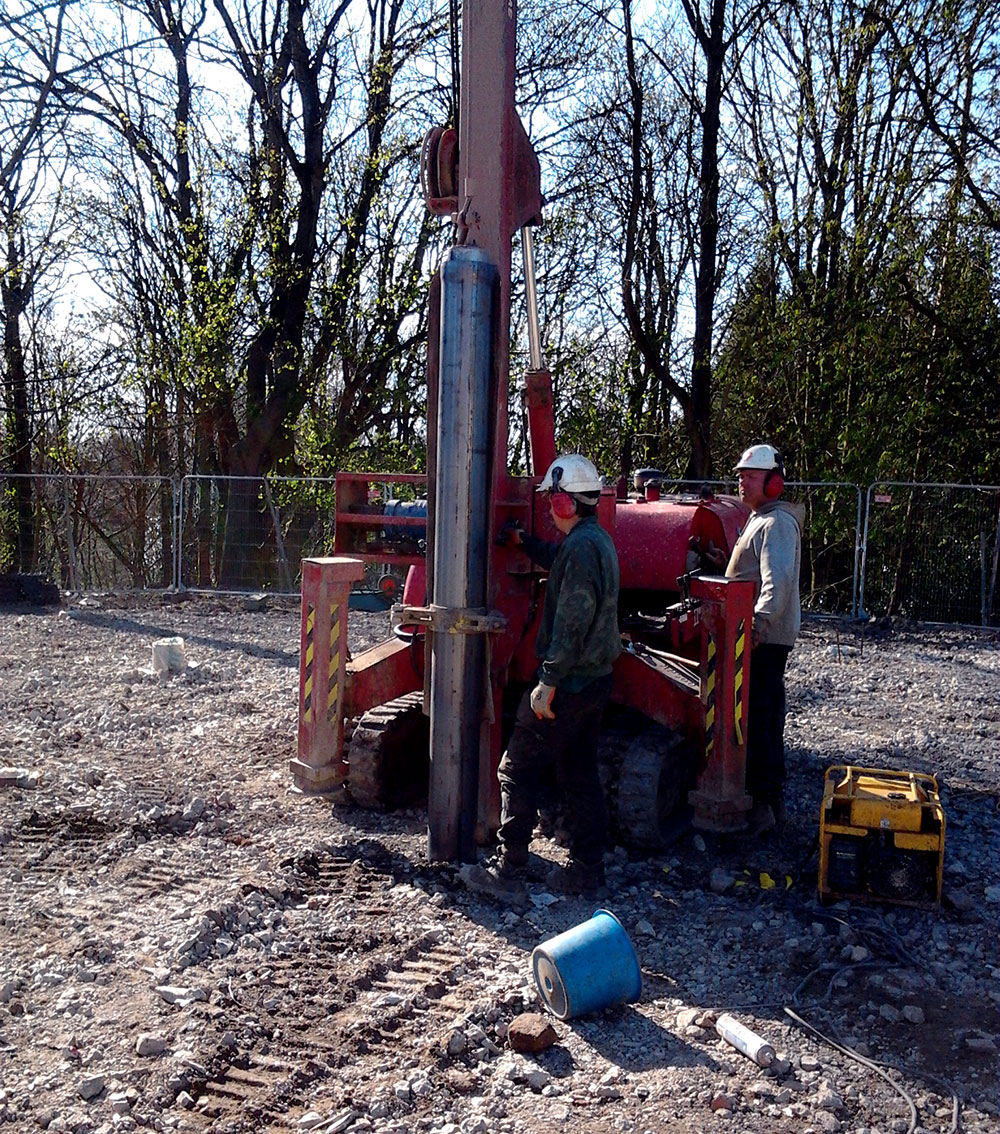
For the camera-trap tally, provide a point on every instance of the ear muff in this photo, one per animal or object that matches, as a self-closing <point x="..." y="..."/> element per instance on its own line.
<point x="563" y="505"/>
<point x="774" y="482"/>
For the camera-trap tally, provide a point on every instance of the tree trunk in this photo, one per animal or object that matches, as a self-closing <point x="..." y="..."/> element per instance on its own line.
<point x="14" y="299"/>
<point x="712" y="45"/>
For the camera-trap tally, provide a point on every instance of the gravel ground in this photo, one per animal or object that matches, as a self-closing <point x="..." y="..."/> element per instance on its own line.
<point x="186" y="944"/>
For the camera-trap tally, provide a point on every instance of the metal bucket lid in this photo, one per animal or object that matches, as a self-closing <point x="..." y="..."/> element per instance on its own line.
<point x="550" y="984"/>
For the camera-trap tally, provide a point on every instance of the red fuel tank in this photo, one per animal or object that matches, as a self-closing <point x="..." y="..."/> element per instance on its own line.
<point x="654" y="537"/>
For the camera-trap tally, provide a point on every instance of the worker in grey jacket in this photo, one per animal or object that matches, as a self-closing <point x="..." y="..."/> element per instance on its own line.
<point x="768" y="552"/>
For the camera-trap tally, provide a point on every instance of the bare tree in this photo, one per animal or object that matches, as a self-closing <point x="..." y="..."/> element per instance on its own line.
<point x="32" y="154"/>
<point x="263" y="250"/>
<point x="950" y="56"/>
<point x="661" y="129"/>
<point x="658" y="252"/>
<point x="304" y="72"/>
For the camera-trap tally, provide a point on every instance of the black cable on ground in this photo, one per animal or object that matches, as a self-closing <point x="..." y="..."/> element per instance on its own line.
<point x="881" y="936"/>
<point x="864" y="1060"/>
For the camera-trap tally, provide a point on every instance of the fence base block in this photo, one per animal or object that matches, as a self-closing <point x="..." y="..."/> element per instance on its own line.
<point x="317" y="781"/>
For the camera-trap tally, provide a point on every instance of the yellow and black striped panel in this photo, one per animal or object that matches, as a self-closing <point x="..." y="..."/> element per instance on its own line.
<point x="710" y="699"/>
<point x="741" y="645"/>
<point x="307" y="698"/>
<point x="333" y="681"/>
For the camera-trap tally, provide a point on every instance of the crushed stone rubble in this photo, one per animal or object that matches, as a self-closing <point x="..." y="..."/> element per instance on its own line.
<point x="188" y="944"/>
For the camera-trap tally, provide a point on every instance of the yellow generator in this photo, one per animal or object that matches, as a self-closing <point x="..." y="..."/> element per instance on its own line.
<point x="881" y="836"/>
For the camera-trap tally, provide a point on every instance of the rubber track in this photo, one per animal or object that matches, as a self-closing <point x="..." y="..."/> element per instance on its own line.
<point x="378" y="738"/>
<point x="653" y="760"/>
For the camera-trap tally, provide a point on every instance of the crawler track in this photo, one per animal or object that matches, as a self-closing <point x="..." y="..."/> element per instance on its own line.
<point x="388" y="754"/>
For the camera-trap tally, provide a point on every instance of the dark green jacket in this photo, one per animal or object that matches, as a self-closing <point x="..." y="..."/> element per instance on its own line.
<point x="578" y="638"/>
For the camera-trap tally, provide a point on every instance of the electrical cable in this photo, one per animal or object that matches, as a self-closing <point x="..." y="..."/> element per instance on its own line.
<point x="837" y="1043"/>
<point x="454" y="15"/>
<point x="864" y="1060"/>
<point x="886" y="940"/>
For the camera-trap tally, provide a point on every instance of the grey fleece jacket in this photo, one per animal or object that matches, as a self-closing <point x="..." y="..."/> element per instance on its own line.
<point x="769" y="552"/>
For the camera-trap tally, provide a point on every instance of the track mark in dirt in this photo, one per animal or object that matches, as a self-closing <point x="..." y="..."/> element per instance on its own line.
<point x="346" y="1002"/>
<point x="158" y="880"/>
<point x="54" y="844"/>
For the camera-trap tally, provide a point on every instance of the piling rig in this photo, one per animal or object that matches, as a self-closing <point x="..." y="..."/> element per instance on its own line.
<point x="447" y="682"/>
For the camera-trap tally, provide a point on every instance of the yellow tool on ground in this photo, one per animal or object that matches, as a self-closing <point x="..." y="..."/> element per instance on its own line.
<point x="881" y="836"/>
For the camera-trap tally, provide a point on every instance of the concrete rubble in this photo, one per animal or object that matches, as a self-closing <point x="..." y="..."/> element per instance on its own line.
<point x="187" y="945"/>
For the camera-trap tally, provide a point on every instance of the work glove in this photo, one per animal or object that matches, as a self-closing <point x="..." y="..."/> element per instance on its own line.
<point x="511" y="532"/>
<point x="715" y="556"/>
<point x="541" y="701"/>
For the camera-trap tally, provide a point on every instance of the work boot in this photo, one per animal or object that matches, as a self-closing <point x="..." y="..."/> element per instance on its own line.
<point x="552" y="825"/>
<point x="546" y="823"/>
<point x="760" y="820"/>
<point x="577" y="878"/>
<point x="501" y="876"/>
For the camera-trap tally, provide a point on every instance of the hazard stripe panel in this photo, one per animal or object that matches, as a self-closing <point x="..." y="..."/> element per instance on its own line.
<point x="333" y="686"/>
<point x="307" y="700"/>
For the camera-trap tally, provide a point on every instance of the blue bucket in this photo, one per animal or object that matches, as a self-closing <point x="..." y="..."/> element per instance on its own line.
<point x="589" y="967"/>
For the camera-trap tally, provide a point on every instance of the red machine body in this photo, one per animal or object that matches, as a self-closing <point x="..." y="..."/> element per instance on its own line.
<point x="654" y="537"/>
<point x="686" y="663"/>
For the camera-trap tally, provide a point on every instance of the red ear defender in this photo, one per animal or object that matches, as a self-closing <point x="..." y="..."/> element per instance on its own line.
<point x="774" y="482"/>
<point x="563" y="505"/>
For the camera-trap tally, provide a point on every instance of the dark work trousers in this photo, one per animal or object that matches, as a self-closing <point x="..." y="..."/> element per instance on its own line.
<point x="766" y="723"/>
<point x="569" y="744"/>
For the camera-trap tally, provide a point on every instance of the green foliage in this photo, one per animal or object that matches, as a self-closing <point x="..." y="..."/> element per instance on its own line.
<point x="892" y="374"/>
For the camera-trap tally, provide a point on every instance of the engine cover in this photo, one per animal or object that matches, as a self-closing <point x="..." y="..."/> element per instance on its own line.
<point x="881" y="836"/>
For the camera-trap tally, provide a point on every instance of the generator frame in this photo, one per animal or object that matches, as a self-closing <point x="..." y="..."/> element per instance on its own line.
<point x="895" y="816"/>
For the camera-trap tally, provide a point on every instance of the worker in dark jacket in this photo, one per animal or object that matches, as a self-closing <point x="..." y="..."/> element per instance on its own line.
<point x="558" y="720"/>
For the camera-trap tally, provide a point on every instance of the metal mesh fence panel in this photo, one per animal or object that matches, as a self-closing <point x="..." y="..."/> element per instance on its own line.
<point x="831" y="545"/>
<point x="251" y="533"/>
<point x="930" y="552"/>
<point x="924" y="551"/>
<point x="88" y="532"/>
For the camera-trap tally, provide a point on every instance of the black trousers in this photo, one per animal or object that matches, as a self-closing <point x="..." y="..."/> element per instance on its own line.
<point x="766" y="724"/>
<point x="569" y="745"/>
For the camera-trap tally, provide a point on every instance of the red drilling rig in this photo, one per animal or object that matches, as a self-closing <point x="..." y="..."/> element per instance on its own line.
<point x="446" y="682"/>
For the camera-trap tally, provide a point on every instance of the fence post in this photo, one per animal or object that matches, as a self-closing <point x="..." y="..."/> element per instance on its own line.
<point x="993" y="572"/>
<point x="855" y="613"/>
<point x="70" y="546"/>
<point x="864" y="553"/>
<point x="175" y="488"/>
<point x="286" y="575"/>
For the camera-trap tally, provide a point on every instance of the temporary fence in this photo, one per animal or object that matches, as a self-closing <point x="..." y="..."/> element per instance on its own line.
<point x="922" y="551"/>
<point x="931" y="552"/>
<point x="252" y="533"/>
<point x="89" y="533"/>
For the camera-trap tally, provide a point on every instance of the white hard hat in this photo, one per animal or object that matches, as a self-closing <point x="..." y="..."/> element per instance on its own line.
<point x="759" y="457"/>
<point x="571" y="473"/>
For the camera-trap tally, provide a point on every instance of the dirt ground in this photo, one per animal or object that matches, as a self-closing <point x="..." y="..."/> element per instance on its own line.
<point x="188" y="944"/>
